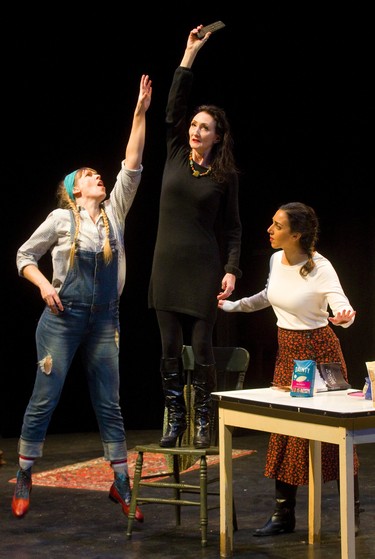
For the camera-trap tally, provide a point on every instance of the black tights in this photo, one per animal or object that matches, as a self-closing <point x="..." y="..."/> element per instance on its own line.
<point x="175" y="326"/>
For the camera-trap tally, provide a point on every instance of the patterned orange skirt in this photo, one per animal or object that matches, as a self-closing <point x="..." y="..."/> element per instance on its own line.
<point x="288" y="457"/>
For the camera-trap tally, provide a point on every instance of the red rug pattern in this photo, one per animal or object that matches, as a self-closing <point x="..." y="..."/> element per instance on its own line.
<point x="97" y="475"/>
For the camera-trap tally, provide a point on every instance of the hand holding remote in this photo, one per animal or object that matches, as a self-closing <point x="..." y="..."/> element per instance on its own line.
<point x="212" y="27"/>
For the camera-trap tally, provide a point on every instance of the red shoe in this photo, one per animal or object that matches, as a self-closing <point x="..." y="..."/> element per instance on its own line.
<point x="120" y="492"/>
<point x="21" y="497"/>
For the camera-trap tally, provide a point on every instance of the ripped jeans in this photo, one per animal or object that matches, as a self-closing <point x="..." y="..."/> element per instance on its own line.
<point x="93" y="330"/>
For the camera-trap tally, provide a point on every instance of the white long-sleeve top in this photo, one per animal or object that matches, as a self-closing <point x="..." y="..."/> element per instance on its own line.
<point x="300" y="303"/>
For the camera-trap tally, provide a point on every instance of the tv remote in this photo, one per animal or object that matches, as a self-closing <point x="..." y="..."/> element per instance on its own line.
<point x="212" y="27"/>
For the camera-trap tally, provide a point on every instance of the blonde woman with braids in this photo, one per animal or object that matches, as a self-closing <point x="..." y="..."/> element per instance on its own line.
<point x="302" y="285"/>
<point x="85" y="237"/>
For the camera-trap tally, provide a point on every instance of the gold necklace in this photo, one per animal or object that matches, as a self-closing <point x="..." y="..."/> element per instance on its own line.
<point x="194" y="171"/>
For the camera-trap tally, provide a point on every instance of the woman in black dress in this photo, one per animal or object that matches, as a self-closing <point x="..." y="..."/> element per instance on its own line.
<point x="197" y="251"/>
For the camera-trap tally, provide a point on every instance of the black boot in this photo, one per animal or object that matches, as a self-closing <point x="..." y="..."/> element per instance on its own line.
<point x="204" y="382"/>
<point x="172" y="375"/>
<point x="357" y="508"/>
<point x="283" y="519"/>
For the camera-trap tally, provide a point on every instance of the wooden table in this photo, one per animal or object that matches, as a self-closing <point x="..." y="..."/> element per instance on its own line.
<point x="332" y="417"/>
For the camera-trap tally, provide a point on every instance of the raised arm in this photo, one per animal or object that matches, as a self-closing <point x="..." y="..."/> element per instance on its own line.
<point x="192" y="47"/>
<point x="136" y="142"/>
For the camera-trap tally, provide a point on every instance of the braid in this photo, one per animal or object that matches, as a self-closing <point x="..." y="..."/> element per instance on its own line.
<point x="64" y="201"/>
<point x="107" y="245"/>
<point x="77" y="220"/>
<point x="308" y="266"/>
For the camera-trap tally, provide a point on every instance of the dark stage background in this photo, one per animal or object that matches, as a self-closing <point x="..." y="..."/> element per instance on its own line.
<point x="295" y="83"/>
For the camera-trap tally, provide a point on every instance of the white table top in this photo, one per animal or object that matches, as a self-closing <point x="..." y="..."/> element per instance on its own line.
<point x="335" y="402"/>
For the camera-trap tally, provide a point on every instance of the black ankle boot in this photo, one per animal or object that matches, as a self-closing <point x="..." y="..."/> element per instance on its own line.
<point x="173" y="386"/>
<point x="283" y="519"/>
<point x="204" y="382"/>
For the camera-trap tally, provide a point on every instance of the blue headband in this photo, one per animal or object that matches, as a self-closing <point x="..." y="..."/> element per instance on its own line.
<point x="69" y="183"/>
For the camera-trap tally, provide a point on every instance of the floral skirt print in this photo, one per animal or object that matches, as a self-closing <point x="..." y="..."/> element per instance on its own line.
<point x="288" y="457"/>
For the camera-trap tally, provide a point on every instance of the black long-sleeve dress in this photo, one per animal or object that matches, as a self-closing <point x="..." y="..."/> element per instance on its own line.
<point x="199" y="232"/>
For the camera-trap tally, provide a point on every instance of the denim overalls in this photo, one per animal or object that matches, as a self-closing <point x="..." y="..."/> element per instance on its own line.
<point x="90" y="324"/>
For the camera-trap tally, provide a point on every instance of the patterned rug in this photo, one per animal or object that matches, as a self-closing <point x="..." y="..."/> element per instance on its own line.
<point x="97" y="475"/>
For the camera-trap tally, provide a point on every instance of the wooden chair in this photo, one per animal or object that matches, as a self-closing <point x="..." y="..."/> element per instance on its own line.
<point x="231" y="365"/>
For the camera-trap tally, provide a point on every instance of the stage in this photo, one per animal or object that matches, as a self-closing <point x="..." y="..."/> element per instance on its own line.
<point x="73" y="523"/>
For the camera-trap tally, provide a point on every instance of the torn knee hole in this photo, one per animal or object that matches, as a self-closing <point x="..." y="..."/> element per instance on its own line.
<point x="45" y="364"/>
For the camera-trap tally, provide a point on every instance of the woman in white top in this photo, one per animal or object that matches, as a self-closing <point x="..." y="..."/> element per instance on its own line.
<point x="302" y="285"/>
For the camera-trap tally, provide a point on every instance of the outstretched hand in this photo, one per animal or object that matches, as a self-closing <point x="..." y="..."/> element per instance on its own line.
<point x="145" y="92"/>
<point x="342" y="317"/>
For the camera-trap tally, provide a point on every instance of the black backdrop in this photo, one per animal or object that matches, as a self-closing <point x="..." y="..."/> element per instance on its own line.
<point x="295" y="83"/>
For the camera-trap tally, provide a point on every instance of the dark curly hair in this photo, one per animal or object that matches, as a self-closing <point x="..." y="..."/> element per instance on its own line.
<point x="303" y="219"/>
<point x="223" y="163"/>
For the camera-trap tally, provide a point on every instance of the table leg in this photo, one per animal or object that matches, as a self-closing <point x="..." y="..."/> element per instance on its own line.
<point x="315" y="491"/>
<point x="347" y="496"/>
<point x="226" y="491"/>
